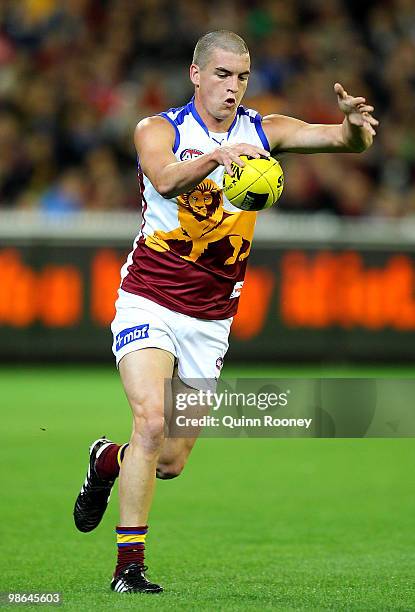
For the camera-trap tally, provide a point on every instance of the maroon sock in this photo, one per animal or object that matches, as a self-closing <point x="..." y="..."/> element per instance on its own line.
<point x="106" y="465"/>
<point x="130" y="551"/>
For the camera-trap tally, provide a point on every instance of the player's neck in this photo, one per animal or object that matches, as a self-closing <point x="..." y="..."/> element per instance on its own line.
<point x="212" y="123"/>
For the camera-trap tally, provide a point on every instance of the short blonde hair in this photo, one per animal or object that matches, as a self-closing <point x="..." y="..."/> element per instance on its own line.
<point x="220" y="39"/>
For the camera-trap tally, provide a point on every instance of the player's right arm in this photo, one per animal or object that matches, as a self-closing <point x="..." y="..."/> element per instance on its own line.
<point x="154" y="138"/>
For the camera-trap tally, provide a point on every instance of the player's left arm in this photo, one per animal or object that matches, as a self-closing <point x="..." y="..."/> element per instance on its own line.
<point x="354" y="135"/>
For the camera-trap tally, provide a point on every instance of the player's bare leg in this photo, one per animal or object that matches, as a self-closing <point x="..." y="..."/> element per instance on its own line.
<point x="174" y="456"/>
<point x="106" y="458"/>
<point x="143" y="374"/>
<point x="176" y="451"/>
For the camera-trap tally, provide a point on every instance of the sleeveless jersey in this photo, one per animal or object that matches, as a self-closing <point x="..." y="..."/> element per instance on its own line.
<point x="191" y="253"/>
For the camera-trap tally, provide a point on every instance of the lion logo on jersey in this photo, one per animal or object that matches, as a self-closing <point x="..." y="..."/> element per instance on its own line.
<point x="203" y="220"/>
<point x="203" y="206"/>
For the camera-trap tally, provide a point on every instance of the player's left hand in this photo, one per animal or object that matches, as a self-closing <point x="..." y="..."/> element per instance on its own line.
<point x="356" y="110"/>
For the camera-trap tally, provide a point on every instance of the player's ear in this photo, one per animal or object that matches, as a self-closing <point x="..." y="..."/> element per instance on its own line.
<point x="195" y="74"/>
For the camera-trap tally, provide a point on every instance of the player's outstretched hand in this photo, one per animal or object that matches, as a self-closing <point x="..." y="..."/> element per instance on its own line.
<point x="356" y="110"/>
<point x="229" y="154"/>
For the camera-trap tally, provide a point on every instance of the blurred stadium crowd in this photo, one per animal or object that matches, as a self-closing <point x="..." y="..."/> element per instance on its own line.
<point x="77" y="75"/>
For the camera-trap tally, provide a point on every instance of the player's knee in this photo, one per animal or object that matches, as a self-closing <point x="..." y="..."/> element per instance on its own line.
<point x="146" y="404"/>
<point x="149" y="430"/>
<point x="169" y="471"/>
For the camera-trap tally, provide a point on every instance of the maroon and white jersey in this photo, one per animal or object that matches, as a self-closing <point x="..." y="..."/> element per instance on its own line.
<point x="191" y="253"/>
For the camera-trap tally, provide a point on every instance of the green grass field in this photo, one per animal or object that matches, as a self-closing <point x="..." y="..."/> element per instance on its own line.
<point x="252" y="524"/>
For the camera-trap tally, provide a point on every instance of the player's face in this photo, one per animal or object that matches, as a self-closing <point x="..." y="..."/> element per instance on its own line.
<point x="223" y="82"/>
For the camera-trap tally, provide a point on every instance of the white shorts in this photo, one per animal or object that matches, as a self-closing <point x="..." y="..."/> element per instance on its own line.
<point x="198" y="345"/>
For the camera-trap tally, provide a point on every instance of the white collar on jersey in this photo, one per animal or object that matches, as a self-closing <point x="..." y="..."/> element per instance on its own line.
<point x="218" y="137"/>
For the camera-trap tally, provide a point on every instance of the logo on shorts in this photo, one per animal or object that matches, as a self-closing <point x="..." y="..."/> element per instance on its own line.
<point x="190" y="154"/>
<point x="139" y="332"/>
<point x="219" y="363"/>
